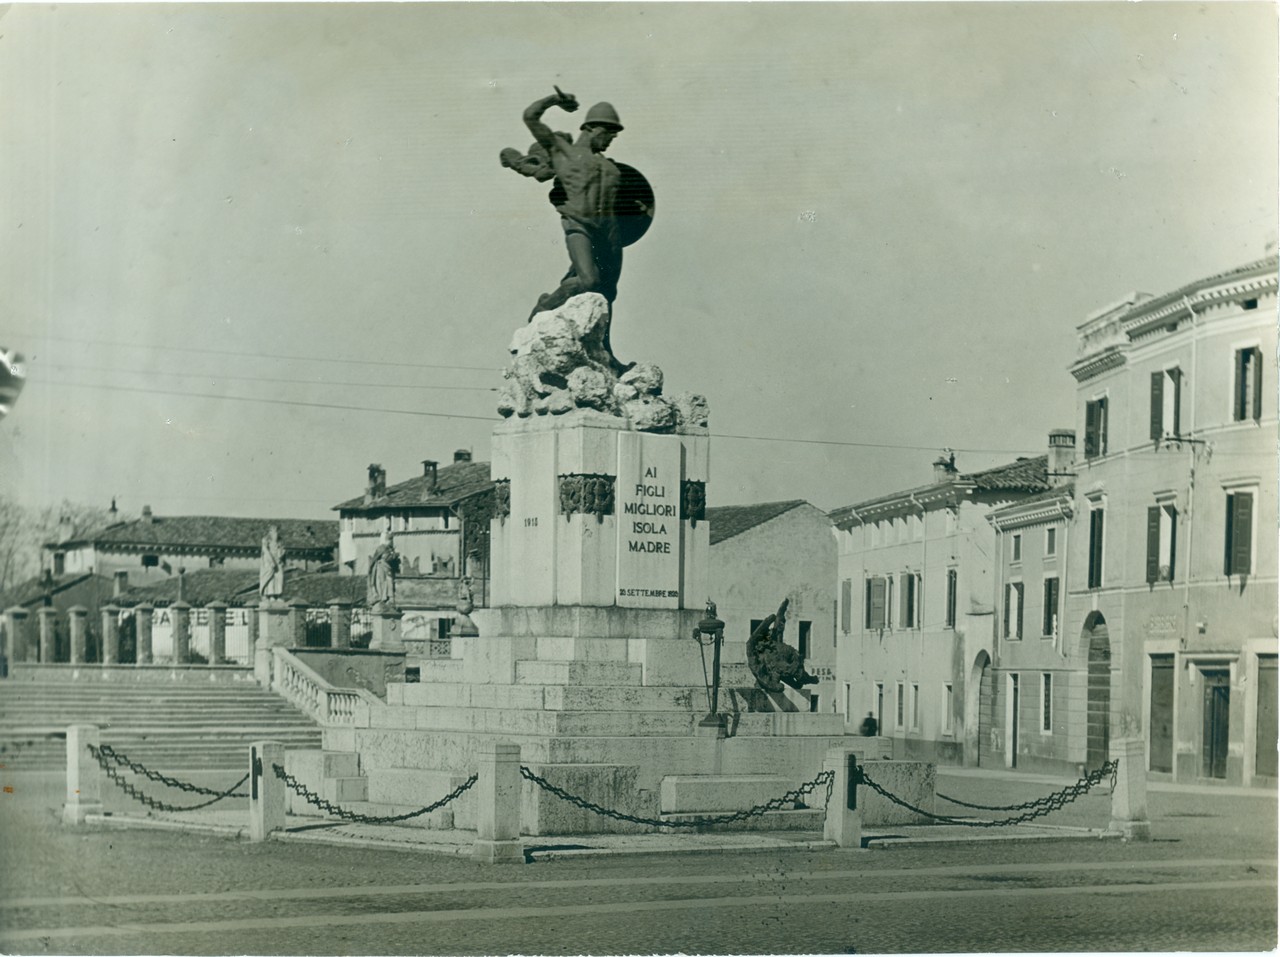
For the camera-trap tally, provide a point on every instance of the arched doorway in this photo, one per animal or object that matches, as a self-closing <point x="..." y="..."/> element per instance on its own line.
<point x="978" y="712"/>
<point x="1098" y="690"/>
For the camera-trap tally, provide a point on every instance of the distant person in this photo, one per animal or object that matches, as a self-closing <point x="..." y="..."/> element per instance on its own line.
<point x="870" y="726"/>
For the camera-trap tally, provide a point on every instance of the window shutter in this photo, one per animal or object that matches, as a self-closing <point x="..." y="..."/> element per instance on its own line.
<point x="1255" y="364"/>
<point x="1018" y="587"/>
<point x="1008" y="596"/>
<point x="1173" y="541"/>
<point x="866" y="604"/>
<point x="1090" y="429"/>
<point x="846" y="600"/>
<point x="1157" y="405"/>
<point x="1050" y="605"/>
<point x="1153" y="544"/>
<point x="1241" y="533"/>
<point x="951" y="597"/>
<point x="1238" y="393"/>
<point x="1102" y="426"/>
<point x="1175" y="376"/>
<point x="904" y="600"/>
<point x="919" y="601"/>
<point x="877" y="602"/>
<point x="1095" y="548"/>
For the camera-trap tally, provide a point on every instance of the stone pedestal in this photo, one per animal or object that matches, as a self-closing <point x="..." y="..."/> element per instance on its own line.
<point x="844" y="817"/>
<point x="142" y="617"/>
<point x="217" y="632"/>
<point x="79" y="632"/>
<point x="18" y="647"/>
<point x="267" y="793"/>
<point x="498" y="805"/>
<point x="1129" y="798"/>
<point x="84" y="776"/>
<point x="600" y="515"/>
<point x="273" y="632"/>
<point x="180" y="615"/>
<point x="110" y="635"/>
<point x="340" y="624"/>
<point x="388" y="635"/>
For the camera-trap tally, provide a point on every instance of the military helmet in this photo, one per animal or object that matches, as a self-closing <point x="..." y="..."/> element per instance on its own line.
<point x="602" y="114"/>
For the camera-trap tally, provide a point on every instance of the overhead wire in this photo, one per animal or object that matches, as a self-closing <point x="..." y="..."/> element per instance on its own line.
<point x="254" y="378"/>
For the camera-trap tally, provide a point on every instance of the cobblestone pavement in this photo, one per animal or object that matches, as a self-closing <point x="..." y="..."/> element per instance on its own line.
<point x="1206" y="882"/>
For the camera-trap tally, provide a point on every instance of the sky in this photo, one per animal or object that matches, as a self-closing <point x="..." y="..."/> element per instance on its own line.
<point x="249" y="249"/>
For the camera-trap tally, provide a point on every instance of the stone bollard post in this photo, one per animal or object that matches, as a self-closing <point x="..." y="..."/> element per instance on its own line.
<point x="84" y="776"/>
<point x="267" y="793"/>
<point x="110" y="635"/>
<point x="844" y="818"/>
<point x="19" y="647"/>
<point x="79" y="626"/>
<point x="498" y="805"/>
<point x="180" y="615"/>
<point x="48" y="625"/>
<point x="297" y="623"/>
<point x="217" y="632"/>
<point x="339" y="624"/>
<point x="1129" y="798"/>
<point x="142" y="616"/>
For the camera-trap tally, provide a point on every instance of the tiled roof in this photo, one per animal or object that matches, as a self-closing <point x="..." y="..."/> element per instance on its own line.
<point x="33" y="589"/>
<point x="729" y="520"/>
<point x="453" y="483"/>
<point x="240" y="586"/>
<point x="196" y="534"/>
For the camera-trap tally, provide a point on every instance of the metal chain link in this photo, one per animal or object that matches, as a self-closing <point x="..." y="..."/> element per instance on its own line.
<point x="1047" y="805"/>
<point x="775" y="804"/>
<point x="1025" y="805"/>
<point x="130" y="789"/>
<point x="332" y="809"/>
<point x="156" y="776"/>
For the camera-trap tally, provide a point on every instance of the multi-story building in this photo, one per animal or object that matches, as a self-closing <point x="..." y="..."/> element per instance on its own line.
<point x="914" y="633"/>
<point x="763" y="553"/>
<point x="1172" y="592"/>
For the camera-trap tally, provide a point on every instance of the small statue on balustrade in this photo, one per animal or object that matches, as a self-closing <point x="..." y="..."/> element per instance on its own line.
<point x="383" y="568"/>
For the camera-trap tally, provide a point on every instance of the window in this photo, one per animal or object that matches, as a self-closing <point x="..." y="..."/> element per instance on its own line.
<point x="1049" y="627"/>
<point x="902" y="704"/>
<point x="909" y="588"/>
<point x="1247" y="395"/>
<point x="847" y="696"/>
<point x="1095" y="547"/>
<point x="888" y="601"/>
<point x="1166" y="402"/>
<point x="1239" y="536"/>
<point x="59" y="562"/>
<point x="1017" y="548"/>
<point x="813" y="703"/>
<point x="1162" y="534"/>
<point x="948" y="699"/>
<point x="150" y="561"/>
<point x="846" y="605"/>
<point x="880" y="706"/>
<point x="1046" y="703"/>
<point x="802" y="642"/>
<point x="1095" y="428"/>
<point x="1013" y="610"/>
<point x="875" y="603"/>
<point x="915" y="707"/>
<point x="951" y="598"/>
<point x="1050" y="542"/>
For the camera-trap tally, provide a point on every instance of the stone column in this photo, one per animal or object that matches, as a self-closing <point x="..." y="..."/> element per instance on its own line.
<point x="142" y="615"/>
<point x="339" y="624"/>
<point x="266" y="791"/>
<point x="110" y="635"/>
<point x="19" y="647"/>
<point x="498" y="805"/>
<point x="79" y="625"/>
<point x="844" y="818"/>
<point x="297" y="623"/>
<point x="387" y="634"/>
<point x="1129" y="798"/>
<point x="84" y="776"/>
<point x="48" y="623"/>
<point x="217" y="632"/>
<point x="251" y="616"/>
<point x="180" y="615"/>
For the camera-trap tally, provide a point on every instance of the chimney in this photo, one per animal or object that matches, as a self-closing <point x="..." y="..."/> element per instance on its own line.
<point x="120" y="583"/>
<point x="64" y="528"/>
<point x="1062" y="456"/>
<point x="113" y="511"/>
<point x="462" y="455"/>
<point x="146" y="514"/>
<point x="377" y="486"/>
<point x="429" y="472"/>
<point x="944" y="469"/>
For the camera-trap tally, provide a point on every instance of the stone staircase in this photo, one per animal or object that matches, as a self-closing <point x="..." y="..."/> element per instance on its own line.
<point x="165" y="725"/>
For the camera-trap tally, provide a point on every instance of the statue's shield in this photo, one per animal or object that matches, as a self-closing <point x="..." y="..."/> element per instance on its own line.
<point x="633" y="206"/>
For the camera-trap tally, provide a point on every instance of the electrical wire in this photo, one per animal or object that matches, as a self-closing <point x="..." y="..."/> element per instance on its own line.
<point x="255" y="378"/>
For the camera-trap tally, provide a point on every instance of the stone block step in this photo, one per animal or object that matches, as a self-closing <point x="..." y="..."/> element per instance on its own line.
<point x="578" y="673"/>
<point x="549" y="697"/>
<point x="807" y="819"/>
<point x="411" y="786"/>
<point x="536" y="722"/>
<point x="717" y="793"/>
<point x="441" y="820"/>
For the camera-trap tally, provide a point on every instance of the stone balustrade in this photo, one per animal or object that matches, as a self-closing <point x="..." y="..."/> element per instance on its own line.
<point x="310" y="692"/>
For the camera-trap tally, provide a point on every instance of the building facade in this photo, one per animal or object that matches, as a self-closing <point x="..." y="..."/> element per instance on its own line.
<point x="1172" y="584"/>
<point x="915" y="607"/>
<point x="761" y="554"/>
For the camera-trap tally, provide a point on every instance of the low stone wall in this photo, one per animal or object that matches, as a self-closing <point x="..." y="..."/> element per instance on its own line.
<point x="130" y="674"/>
<point x="912" y="781"/>
<point x="354" y="667"/>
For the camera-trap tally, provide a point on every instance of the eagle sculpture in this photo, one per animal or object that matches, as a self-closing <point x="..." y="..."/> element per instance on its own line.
<point x="772" y="662"/>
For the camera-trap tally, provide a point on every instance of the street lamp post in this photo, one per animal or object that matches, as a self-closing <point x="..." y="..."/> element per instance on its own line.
<point x="711" y="631"/>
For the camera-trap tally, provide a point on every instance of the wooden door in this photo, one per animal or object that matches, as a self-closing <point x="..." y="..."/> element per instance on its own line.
<point x="1217" y="710"/>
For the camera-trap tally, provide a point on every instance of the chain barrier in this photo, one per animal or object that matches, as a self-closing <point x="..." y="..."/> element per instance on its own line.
<point x="105" y="757"/>
<point x="112" y="754"/>
<point x="1038" y="808"/>
<point x="775" y="804"/>
<point x="354" y="817"/>
<point x="1025" y="805"/>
